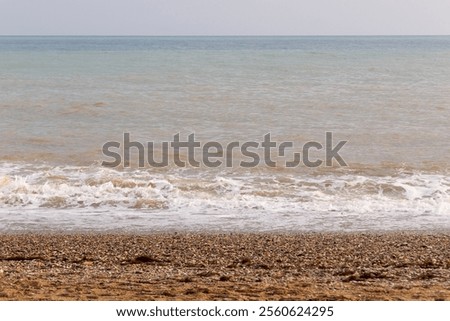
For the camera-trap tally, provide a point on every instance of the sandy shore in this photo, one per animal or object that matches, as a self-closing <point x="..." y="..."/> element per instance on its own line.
<point x="391" y="266"/>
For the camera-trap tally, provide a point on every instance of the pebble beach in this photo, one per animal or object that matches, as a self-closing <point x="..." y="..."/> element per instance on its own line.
<point x="195" y="266"/>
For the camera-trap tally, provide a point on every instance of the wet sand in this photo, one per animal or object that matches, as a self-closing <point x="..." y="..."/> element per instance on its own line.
<point x="319" y="266"/>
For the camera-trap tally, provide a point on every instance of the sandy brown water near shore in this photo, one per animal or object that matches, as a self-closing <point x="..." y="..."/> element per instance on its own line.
<point x="185" y="266"/>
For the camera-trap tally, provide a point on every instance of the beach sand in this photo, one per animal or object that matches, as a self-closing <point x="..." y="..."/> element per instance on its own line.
<point x="179" y="266"/>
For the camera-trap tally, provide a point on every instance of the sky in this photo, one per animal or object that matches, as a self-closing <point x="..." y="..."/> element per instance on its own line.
<point x="224" y="17"/>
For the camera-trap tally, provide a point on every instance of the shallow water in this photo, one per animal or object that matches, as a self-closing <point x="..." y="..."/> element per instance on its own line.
<point x="62" y="98"/>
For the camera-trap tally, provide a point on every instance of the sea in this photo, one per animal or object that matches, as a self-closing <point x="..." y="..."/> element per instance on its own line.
<point x="64" y="99"/>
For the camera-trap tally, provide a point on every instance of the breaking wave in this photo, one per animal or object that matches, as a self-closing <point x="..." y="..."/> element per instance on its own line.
<point x="31" y="186"/>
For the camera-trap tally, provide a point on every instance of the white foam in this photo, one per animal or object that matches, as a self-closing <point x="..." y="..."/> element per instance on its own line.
<point x="224" y="200"/>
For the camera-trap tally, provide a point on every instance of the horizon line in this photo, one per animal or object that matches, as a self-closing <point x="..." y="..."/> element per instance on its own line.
<point x="230" y="35"/>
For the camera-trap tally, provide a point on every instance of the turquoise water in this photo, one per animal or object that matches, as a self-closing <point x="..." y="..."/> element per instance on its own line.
<point x="62" y="98"/>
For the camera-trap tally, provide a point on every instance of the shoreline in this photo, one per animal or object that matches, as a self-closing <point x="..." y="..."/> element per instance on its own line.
<point x="406" y="265"/>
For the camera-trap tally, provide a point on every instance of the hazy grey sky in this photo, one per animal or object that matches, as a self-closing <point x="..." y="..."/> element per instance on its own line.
<point x="224" y="17"/>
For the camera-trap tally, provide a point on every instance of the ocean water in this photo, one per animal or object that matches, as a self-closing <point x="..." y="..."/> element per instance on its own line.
<point x="62" y="98"/>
